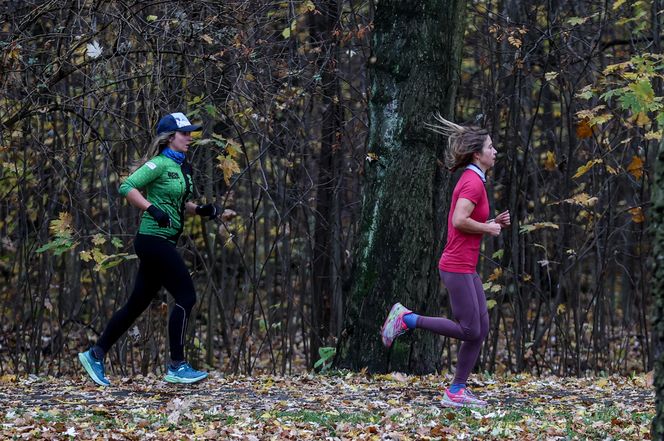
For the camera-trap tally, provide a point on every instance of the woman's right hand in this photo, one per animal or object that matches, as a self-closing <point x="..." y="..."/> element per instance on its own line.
<point x="160" y="216"/>
<point x="493" y="228"/>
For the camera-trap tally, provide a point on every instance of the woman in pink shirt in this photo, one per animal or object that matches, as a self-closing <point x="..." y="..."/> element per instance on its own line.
<point x="469" y="148"/>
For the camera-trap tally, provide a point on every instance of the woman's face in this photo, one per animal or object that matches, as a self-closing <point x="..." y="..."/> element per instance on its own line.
<point x="487" y="157"/>
<point x="180" y="141"/>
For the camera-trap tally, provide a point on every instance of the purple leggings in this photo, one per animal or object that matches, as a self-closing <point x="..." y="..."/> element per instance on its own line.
<point x="472" y="319"/>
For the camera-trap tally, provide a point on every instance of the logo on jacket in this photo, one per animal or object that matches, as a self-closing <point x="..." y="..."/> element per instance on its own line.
<point x="173" y="175"/>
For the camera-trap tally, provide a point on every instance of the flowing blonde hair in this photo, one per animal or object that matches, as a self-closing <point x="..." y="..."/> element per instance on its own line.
<point x="159" y="143"/>
<point x="462" y="141"/>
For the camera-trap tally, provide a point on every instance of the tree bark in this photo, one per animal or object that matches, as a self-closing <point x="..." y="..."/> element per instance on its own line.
<point x="416" y="56"/>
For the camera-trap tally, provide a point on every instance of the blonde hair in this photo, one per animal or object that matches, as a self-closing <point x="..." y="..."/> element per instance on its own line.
<point x="159" y="143"/>
<point x="462" y="141"/>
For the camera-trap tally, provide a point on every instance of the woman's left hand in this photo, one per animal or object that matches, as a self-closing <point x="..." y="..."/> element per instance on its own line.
<point x="209" y="210"/>
<point x="503" y="219"/>
<point x="228" y="214"/>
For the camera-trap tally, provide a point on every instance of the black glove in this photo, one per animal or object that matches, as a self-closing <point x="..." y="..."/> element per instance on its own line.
<point x="162" y="218"/>
<point x="209" y="210"/>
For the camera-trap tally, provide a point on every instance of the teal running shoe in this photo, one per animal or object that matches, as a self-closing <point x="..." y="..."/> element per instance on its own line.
<point x="184" y="374"/>
<point x="94" y="368"/>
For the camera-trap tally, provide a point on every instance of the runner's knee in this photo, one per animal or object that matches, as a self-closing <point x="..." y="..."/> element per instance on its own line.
<point x="187" y="302"/>
<point x="472" y="333"/>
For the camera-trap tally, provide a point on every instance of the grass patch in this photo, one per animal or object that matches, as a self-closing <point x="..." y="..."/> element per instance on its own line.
<point x="328" y="419"/>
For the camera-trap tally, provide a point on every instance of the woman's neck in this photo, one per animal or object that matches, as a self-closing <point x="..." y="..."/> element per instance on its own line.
<point x="480" y="166"/>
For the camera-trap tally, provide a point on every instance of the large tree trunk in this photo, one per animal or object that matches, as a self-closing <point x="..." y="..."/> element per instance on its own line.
<point x="416" y="55"/>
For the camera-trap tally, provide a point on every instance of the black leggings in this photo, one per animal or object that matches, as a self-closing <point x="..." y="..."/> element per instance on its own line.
<point x="160" y="265"/>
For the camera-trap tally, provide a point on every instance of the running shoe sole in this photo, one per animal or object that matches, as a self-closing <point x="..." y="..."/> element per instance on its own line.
<point x="390" y="317"/>
<point x="179" y="380"/>
<point x="449" y="403"/>
<point x="86" y="365"/>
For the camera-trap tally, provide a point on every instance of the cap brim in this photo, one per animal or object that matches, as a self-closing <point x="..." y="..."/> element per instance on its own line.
<point x="190" y="128"/>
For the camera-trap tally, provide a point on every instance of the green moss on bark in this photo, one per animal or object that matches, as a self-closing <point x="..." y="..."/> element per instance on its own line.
<point x="417" y="47"/>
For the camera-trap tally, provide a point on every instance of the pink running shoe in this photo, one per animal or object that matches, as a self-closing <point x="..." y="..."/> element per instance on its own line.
<point x="394" y="325"/>
<point x="463" y="398"/>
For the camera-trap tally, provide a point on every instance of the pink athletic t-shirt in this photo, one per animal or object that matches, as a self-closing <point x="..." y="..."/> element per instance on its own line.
<point x="462" y="250"/>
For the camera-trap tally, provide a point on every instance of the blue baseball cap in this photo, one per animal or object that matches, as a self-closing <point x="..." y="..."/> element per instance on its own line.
<point x="176" y="122"/>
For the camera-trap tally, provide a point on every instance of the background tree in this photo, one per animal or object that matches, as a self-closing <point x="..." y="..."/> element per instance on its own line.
<point x="413" y="68"/>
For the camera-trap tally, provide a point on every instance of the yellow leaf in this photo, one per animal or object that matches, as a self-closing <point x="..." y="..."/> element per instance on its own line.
<point x="642" y="119"/>
<point x="86" y="256"/>
<point x="561" y="308"/>
<point x="490" y="303"/>
<point x="307" y="6"/>
<point x="614" y="67"/>
<point x="97" y="255"/>
<point x="62" y="225"/>
<point x="550" y="162"/>
<point x="527" y="277"/>
<point x="232" y="148"/>
<point x="584" y="168"/>
<point x="549" y="76"/>
<point x="286" y="33"/>
<point x="601" y="119"/>
<point x="98" y="239"/>
<point x="582" y="199"/>
<point x="636" y="167"/>
<point x="585" y="114"/>
<point x="617" y="4"/>
<point x="206" y="38"/>
<point x="524" y="229"/>
<point x="497" y="273"/>
<point x="228" y="166"/>
<point x="514" y="41"/>
<point x="654" y="135"/>
<point x="637" y="215"/>
<point x="585" y="93"/>
<point x="611" y="170"/>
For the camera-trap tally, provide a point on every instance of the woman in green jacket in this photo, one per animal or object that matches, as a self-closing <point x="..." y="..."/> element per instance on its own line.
<point x="166" y="180"/>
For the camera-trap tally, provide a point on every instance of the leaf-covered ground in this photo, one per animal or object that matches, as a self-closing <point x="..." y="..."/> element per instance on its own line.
<point x="336" y="406"/>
